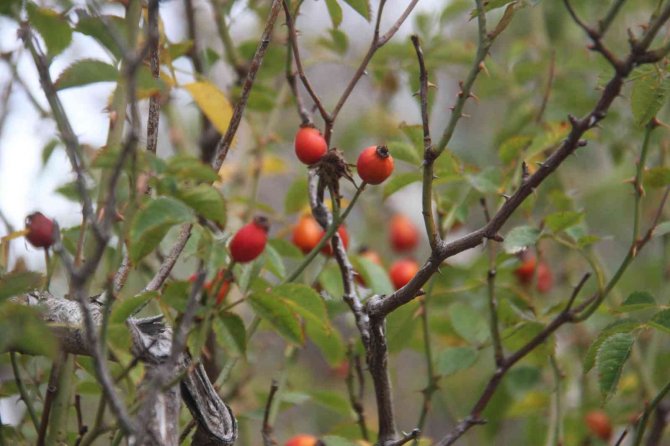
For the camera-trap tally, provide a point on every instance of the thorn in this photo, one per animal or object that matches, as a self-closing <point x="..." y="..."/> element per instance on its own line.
<point x="505" y="196"/>
<point x="431" y="85"/>
<point x="452" y="108"/>
<point x="497" y="238"/>
<point x="465" y="115"/>
<point x="582" y="143"/>
<point x="435" y="177"/>
<point x="473" y="96"/>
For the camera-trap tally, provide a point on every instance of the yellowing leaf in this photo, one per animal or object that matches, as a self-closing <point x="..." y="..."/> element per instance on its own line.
<point x="273" y="165"/>
<point x="212" y="102"/>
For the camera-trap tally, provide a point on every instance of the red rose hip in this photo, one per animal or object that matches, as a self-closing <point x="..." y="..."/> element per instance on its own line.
<point x="303" y="440"/>
<point x="375" y="164"/>
<point x="40" y="230"/>
<point x="310" y="145"/>
<point x="249" y="242"/>
<point x="402" y="271"/>
<point x="403" y="235"/>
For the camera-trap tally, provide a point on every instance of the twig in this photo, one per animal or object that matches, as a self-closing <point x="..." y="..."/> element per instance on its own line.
<point x="22" y="391"/>
<point x="642" y="424"/>
<point x="354" y="398"/>
<point x="433" y="379"/>
<point x="498" y="354"/>
<point x="547" y="90"/>
<point x="154" y="102"/>
<point x="268" y="439"/>
<point x="52" y="388"/>
<point x="406" y="438"/>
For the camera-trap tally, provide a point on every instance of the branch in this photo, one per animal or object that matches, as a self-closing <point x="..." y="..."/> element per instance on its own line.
<point x="268" y="440"/>
<point x="154" y="102"/>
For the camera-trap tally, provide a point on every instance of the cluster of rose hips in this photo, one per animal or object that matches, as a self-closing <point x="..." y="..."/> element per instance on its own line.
<point x="531" y="269"/>
<point x="374" y="165"/>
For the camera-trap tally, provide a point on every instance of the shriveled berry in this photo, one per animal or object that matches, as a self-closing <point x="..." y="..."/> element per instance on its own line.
<point x="310" y="145"/>
<point x="40" y="230"/>
<point x="249" y="241"/>
<point x="375" y="164"/>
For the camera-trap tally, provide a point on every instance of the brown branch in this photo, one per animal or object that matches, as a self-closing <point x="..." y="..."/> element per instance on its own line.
<point x="154" y="102"/>
<point x="354" y="368"/>
<point x="268" y="439"/>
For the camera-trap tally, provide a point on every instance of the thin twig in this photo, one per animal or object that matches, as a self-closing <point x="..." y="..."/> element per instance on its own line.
<point x="268" y="439"/>
<point x="354" y="368"/>
<point x="154" y="102"/>
<point x="22" y="391"/>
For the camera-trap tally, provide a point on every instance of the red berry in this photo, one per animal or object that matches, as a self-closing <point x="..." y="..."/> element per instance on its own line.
<point x="404" y="236"/>
<point x="307" y="233"/>
<point x="402" y="271"/>
<point x="526" y="272"/>
<point x="40" y="230"/>
<point x="249" y="242"/>
<point x="375" y="164"/>
<point x="599" y="424"/>
<point x="303" y="440"/>
<point x="310" y="145"/>
<point x="220" y="282"/>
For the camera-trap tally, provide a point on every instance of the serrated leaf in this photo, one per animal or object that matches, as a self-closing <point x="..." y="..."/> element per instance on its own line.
<point x="560" y="221"/>
<point x="661" y="320"/>
<point x="18" y="282"/>
<point x="231" y="333"/>
<point x="54" y="28"/>
<point x="404" y="152"/>
<point x="152" y="223"/>
<point x="296" y="197"/>
<point x="656" y="177"/>
<point x="520" y="238"/>
<point x="468" y="323"/>
<point x="206" y="201"/>
<point x="272" y="309"/>
<point x="274" y="262"/>
<point x="360" y="6"/>
<point x="212" y="102"/>
<point x="638" y="300"/>
<point x="398" y="181"/>
<point x="335" y="12"/>
<point x="611" y="358"/>
<point x="455" y="359"/>
<point x="125" y="308"/>
<point x="85" y="72"/>
<point x="650" y="89"/>
<point x="622" y="326"/>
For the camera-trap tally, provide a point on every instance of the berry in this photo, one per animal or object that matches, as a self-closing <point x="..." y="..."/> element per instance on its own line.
<point x="303" y="440"/>
<point x="375" y="164"/>
<point x="404" y="236"/>
<point x="526" y="271"/>
<point x="222" y="283"/>
<point x="599" y="424"/>
<point x="402" y="271"/>
<point x="249" y="242"/>
<point x="40" y="230"/>
<point x="307" y="233"/>
<point x="310" y="145"/>
<point x="328" y="248"/>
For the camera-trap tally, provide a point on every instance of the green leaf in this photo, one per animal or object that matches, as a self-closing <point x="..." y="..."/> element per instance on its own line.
<point x="296" y="197"/>
<point x="404" y="152"/>
<point x="332" y="400"/>
<point x="205" y="200"/>
<point x="85" y="72"/>
<point x="274" y="262"/>
<point x="175" y="294"/>
<point x="468" y="323"/>
<point x="152" y="223"/>
<point x="335" y="12"/>
<point x="661" y="320"/>
<point x="621" y="326"/>
<point x="54" y="28"/>
<point x="516" y="337"/>
<point x="610" y="360"/>
<point x="331" y="440"/>
<point x="638" y="300"/>
<point x="520" y="238"/>
<point x="401" y="327"/>
<point x="650" y="89"/>
<point x="360" y="6"/>
<point x="455" y="359"/>
<point x="18" y="282"/>
<point x="22" y="329"/>
<point x="491" y="5"/>
<point x="124" y="309"/>
<point x="657" y="177"/>
<point x="97" y="28"/>
<point x="375" y="276"/>
<point x="188" y="167"/>
<point x="48" y="150"/>
<point x="483" y="182"/>
<point x="273" y="309"/>
<point x="231" y="334"/>
<point x="285" y="248"/>
<point x="10" y="8"/>
<point x="560" y="221"/>
<point x="662" y="229"/>
<point x="398" y="181"/>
